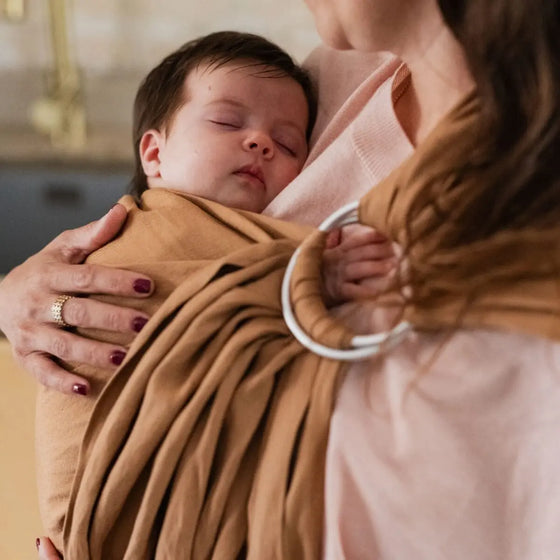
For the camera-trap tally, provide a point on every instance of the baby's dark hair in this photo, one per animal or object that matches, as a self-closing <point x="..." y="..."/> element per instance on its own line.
<point x="161" y="93"/>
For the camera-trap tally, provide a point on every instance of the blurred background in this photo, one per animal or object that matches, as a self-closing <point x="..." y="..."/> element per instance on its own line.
<point x="69" y="70"/>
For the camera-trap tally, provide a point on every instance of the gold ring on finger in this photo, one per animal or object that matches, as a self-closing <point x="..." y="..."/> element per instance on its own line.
<point x="57" y="309"/>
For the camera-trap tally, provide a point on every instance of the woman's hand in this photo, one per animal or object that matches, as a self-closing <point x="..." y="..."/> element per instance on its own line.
<point x="28" y="292"/>
<point x="46" y="549"/>
<point x="357" y="267"/>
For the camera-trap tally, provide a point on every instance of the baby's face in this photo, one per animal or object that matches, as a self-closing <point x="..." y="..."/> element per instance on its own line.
<point x="239" y="139"/>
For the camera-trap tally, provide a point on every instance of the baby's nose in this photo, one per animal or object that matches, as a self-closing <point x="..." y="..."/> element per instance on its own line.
<point x="259" y="142"/>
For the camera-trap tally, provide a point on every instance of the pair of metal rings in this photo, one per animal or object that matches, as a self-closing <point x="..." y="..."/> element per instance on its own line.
<point x="361" y="347"/>
<point x="57" y="310"/>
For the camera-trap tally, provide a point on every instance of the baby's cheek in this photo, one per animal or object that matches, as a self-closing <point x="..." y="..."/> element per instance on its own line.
<point x="291" y="173"/>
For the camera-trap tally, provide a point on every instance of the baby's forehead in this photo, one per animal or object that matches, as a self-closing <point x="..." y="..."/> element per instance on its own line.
<point x="236" y="78"/>
<point x="229" y="70"/>
<point x="257" y="67"/>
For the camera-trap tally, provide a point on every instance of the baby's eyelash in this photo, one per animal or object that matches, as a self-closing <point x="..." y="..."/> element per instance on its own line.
<point x="287" y="148"/>
<point x="224" y="123"/>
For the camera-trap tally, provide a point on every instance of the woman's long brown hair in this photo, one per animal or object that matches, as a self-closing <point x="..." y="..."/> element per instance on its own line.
<point x="511" y="162"/>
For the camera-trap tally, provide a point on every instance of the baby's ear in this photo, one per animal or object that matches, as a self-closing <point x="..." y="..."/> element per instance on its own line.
<point x="149" y="148"/>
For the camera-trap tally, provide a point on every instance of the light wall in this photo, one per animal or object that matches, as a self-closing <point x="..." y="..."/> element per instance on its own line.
<point x="117" y="41"/>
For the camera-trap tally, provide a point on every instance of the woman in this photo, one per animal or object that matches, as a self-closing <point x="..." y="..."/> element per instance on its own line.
<point x="446" y="447"/>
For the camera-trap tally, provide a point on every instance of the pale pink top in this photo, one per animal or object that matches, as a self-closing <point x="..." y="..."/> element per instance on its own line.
<point x="458" y="461"/>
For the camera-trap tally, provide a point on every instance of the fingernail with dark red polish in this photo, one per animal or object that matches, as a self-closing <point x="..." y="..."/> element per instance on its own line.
<point x="138" y="323"/>
<point x="79" y="389"/>
<point x="37" y="542"/>
<point x="142" y="286"/>
<point x="117" y="357"/>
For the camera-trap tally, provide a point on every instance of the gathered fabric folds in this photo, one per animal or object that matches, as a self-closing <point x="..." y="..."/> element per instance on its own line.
<point x="210" y="440"/>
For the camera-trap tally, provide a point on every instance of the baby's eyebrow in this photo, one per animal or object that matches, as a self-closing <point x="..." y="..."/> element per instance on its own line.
<point x="228" y="101"/>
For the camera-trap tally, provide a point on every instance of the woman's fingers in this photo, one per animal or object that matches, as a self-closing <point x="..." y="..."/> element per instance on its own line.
<point x="92" y="279"/>
<point x="361" y="262"/>
<point x="90" y="313"/>
<point x="29" y="291"/>
<point x="46" y="549"/>
<point x="51" y="375"/>
<point x="333" y="238"/>
<point x="361" y="236"/>
<point x="47" y="343"/>
<point x="369" y="252"/>
<point x="371" y="288"/>
<point x="65" y="346"/>
<point x="361" y="270"/>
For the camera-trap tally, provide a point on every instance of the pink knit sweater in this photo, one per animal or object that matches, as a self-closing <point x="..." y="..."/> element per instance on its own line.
<point x="460" y="462"/>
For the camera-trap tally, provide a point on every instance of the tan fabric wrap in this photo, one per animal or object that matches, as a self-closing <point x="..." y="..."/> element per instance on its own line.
<point x="210" y="439"/>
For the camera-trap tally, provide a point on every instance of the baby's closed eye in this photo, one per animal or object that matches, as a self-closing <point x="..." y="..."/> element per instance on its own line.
<point x="226" y="120"/>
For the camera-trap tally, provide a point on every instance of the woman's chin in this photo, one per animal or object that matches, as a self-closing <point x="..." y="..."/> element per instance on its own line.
<point x="337" y="42"/>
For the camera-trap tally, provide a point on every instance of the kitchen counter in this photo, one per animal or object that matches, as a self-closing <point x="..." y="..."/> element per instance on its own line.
<point x="108" y="147"/>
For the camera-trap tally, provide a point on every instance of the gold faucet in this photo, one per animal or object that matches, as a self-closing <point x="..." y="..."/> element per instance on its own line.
<point x="14" y="10"/>
<point x="61" y="113"/>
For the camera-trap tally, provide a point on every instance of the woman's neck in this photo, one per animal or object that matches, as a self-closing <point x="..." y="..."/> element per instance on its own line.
<point x="439" y="79"/>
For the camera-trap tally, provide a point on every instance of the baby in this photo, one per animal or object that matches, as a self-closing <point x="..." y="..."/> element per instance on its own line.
<point x="225" y="117"/>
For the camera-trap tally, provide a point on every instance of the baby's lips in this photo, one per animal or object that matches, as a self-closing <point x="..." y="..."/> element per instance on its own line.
<point x="254" y="171"/>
